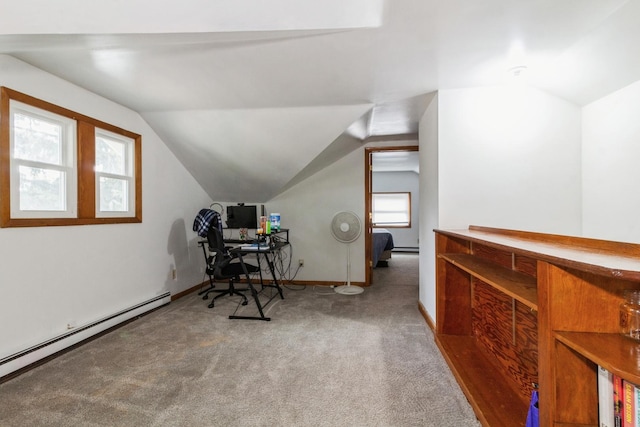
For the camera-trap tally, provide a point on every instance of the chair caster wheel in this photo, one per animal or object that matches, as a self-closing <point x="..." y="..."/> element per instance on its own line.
<point x="211" y="305"/>
<point x="245" y="302"/>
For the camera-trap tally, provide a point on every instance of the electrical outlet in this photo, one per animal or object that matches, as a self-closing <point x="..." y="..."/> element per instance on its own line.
<point x="301" y="262"/>
<point x="174" y="274"/>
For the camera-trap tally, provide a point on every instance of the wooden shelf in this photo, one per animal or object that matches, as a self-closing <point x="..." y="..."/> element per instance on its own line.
<point x="494" y="402"/>
<point x="616" y="353"/>
<point x="517" y="285"/>
<point x="494" y="345"/>
<point x="605" y="258"/>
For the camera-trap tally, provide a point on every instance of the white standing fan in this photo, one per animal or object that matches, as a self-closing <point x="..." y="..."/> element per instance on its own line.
<point x="346" y="228"/>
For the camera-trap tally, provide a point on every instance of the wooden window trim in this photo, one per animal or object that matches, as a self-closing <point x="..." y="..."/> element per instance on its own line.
<point x="85" y="165"/>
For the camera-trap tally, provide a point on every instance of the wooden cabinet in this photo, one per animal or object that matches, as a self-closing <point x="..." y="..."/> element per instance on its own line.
<point x="516" y="309"/>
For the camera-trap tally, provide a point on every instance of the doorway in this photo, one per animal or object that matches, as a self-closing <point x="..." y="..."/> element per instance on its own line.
<point x="390" y="170"/>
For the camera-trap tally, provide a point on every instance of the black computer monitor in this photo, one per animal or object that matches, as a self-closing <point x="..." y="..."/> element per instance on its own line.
<point x="242" y="216"/>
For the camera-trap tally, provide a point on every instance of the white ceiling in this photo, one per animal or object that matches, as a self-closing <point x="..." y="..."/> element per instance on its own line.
<point x="254" y="96"/>
<point x="395" y="161"/>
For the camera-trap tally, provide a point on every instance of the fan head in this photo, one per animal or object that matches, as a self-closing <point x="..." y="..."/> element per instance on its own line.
<point x="346" y="226"/>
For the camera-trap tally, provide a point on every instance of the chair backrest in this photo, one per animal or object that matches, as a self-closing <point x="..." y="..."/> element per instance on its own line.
<point x="216" y="241"/>
<point x="219" y="257"/>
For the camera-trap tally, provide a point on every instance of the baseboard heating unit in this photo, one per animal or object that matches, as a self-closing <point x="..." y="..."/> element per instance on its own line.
<point x="411" y="249"/>
<point x="38" y="352"/>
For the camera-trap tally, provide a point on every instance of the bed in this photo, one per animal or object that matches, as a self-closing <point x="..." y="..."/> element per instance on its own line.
<point x="382" y="243"/>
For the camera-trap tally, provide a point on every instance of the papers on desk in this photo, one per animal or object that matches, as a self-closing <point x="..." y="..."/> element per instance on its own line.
<point x="254" y="247"/>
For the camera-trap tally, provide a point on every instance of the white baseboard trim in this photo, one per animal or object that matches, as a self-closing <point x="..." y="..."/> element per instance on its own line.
<point x="38" y="352"/>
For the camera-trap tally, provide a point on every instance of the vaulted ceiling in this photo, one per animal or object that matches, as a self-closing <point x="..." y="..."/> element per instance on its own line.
<point x="253" y="96"/>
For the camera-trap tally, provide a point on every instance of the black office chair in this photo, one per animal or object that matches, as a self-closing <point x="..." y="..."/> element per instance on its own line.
<point x="221" y="265"/>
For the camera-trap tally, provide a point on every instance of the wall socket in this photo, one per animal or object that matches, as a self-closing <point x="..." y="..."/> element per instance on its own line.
<point x="301" y="262"/>
<point x="174" y="274"/>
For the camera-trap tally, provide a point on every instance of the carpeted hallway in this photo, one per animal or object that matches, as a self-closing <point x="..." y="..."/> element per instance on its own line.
<point x="324" y="360"/>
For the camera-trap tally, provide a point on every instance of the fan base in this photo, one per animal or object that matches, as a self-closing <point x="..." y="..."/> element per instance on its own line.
<point x="348" y="290"/>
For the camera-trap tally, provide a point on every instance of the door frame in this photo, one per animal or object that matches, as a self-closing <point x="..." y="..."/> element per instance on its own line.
<point x="368" y="181"/>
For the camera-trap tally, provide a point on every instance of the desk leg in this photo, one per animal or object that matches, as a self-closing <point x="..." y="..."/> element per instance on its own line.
<point x="273" y="274"/>
<point x="260" y="269"/>
<point x="254" y="293"/>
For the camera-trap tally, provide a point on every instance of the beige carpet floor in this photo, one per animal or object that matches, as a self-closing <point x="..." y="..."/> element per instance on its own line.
<point x="324" y="360"/>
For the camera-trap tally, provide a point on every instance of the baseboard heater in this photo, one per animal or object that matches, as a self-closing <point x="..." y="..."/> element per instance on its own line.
<point x="38" y="352"/>
<point x="406" y="249"/>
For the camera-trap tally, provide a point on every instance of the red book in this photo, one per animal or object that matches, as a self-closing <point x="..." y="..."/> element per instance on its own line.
<point x="618" y="400"/>
<point x="629" y="404"/>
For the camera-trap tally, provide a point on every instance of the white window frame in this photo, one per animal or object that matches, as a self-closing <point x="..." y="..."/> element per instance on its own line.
<point x="404" y="197"/>
<point x="128" y="176"/>
<point x="68" y="166"/>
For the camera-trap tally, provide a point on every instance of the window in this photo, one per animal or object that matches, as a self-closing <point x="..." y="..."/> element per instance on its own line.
<point x="391" y="209"/>
<point x="42" y="163"/>
<point x="114" y="175"/>
<point x="58" y="167"/>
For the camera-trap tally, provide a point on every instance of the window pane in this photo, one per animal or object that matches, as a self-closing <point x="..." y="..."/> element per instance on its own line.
<point x="111" y="156"/>
<point x="390" y="204"/>
<point x="391" y="209"/>
<point x="114" y="195"/>
<point x="390" y="218"/>
<point x="42" y="189"/>
<point x="37" y="140"/>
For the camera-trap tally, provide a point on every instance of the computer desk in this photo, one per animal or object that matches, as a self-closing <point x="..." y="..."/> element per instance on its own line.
<point x="267" y="251"/>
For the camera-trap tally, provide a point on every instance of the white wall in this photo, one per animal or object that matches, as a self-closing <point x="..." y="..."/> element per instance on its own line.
<point x="611" y="175"/>
<point x="52" y="276"/>
<point x="429" y="205"/>
<point x="307" y="209"/>
<point x="401" y="182"/>
<point x="507" y="157"/>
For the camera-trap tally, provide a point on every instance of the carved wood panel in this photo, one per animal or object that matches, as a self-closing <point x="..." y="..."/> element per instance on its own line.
<point x="526" y="265"/>
<point x="509" y="334"/>
<point x="503" y="258"/>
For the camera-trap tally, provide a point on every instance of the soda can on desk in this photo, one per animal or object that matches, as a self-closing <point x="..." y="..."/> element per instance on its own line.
<point x="275" y="221"/>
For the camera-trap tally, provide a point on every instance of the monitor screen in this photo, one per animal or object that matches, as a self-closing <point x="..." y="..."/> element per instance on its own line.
<point x="242" y="217"/>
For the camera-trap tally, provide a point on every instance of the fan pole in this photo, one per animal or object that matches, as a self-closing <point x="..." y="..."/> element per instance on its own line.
<point x="348" y="289"/>
<point x="348" y="264"/>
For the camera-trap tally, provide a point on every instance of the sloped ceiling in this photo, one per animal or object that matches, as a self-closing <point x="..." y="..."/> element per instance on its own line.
<point x="272" y="143"/>
<point x="255" y="96"/>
